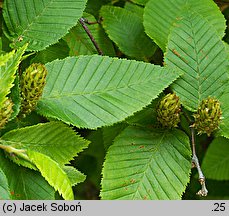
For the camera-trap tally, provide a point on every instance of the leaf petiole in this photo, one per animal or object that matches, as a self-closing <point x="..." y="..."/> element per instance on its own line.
<point x="13" y="151"/>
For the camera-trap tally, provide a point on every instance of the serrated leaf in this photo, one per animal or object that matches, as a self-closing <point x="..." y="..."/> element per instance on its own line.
<point x="93" y="91"/>
<point x="216" y="160"/>
<point x="24" y="183"/>
<point x="4" y="187"/>
<point x="8" y="66"/>
<point x="74" y="175"/>
<point x="15" y="97"/>
<point x="159" y="17"/>
<point x="129" y="36"/>
<point x="80" y="43"/>
<point x="40" y="23"/>
<point x="53" y="173"/>
<point x="195" y="48"/>
<point x="147" y="164"/>
<point x="54" y="139"/>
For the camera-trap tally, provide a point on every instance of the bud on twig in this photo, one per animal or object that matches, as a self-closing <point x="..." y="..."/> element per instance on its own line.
<point x="208" y="116"/>
<point x="168" y="111"/>
<point x="32" y="85"/>
<point x="5" y="112"/>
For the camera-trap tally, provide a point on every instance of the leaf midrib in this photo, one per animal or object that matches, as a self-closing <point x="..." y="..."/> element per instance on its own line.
<point x="101" y="91"/>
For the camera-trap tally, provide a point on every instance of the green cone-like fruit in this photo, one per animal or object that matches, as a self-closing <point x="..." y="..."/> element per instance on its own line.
<point x="32" y="85"/>
<point x="168" y="111"/>
<point x="5" y="112"/>
<point x="208" y="116"/>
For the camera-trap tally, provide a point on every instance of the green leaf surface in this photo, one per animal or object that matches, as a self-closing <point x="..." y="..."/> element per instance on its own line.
<point x="94" y="91"/>
<point x="25" y="184"/>
<point x="53" y="173"/>
<point x="74" y="175"/>
<point x="126" y="30"/>
<point x="216" y="160"/>
<point x="4" y="187"/>
<point x="147" y="164"/>
<point x="224" y="126"/>
<point x="8" y="66"/>
<point x="80" y="43"/>
<point x="196" y="49"/>
<point x="40" y="23"/>
<point x="54" y="139"/>
<point x="137" y="10"/>
<point x="159" y="17"/>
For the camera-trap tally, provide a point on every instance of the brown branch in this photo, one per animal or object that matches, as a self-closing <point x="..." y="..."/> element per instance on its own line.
<point x="195" y="161"/>
<point x="82" y="22"/>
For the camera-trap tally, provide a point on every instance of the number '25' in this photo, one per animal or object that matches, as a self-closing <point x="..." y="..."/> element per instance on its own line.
<point x="219" y="207"/>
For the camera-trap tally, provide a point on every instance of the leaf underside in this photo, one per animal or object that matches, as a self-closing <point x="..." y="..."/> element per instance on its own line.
<point x="195" y="48"/>
<point x="216" y="161"/>
<point x="40" y="23"/>
<point x="25" y="184"/>
<point x="4" y="187"/>
<point x="93" y="91"/>
<point x="53" y="139"/>
<point x="74" y="175"/>
<point x="8" y="66"/>
<point x="159" y="17"/>
<point x="53" y="173"/>
<point x="147" y="164"/>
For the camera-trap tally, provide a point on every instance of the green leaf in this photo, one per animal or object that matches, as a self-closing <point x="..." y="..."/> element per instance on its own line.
<point x="195" y="48"/>
<point x="80" y="43"/>
<point x="8" y="66"/>
<point x="93" y="91"/>
<point x="159" y="17"/>
<point x="54" y="139"/>
<point x="216" y="160"/>
<point x="4" y="187"/>
<point x="53" y="173"/>
<point x="40" y="23"/>
<point x="24" y="183"/>
<point x="74" y="175"/>
<point x="137" y="10"/>
<point x="147" y="164"/>
<point x="129" y="36"/>
<point x="224" y="126"/>
<point x="15" y="97"/>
